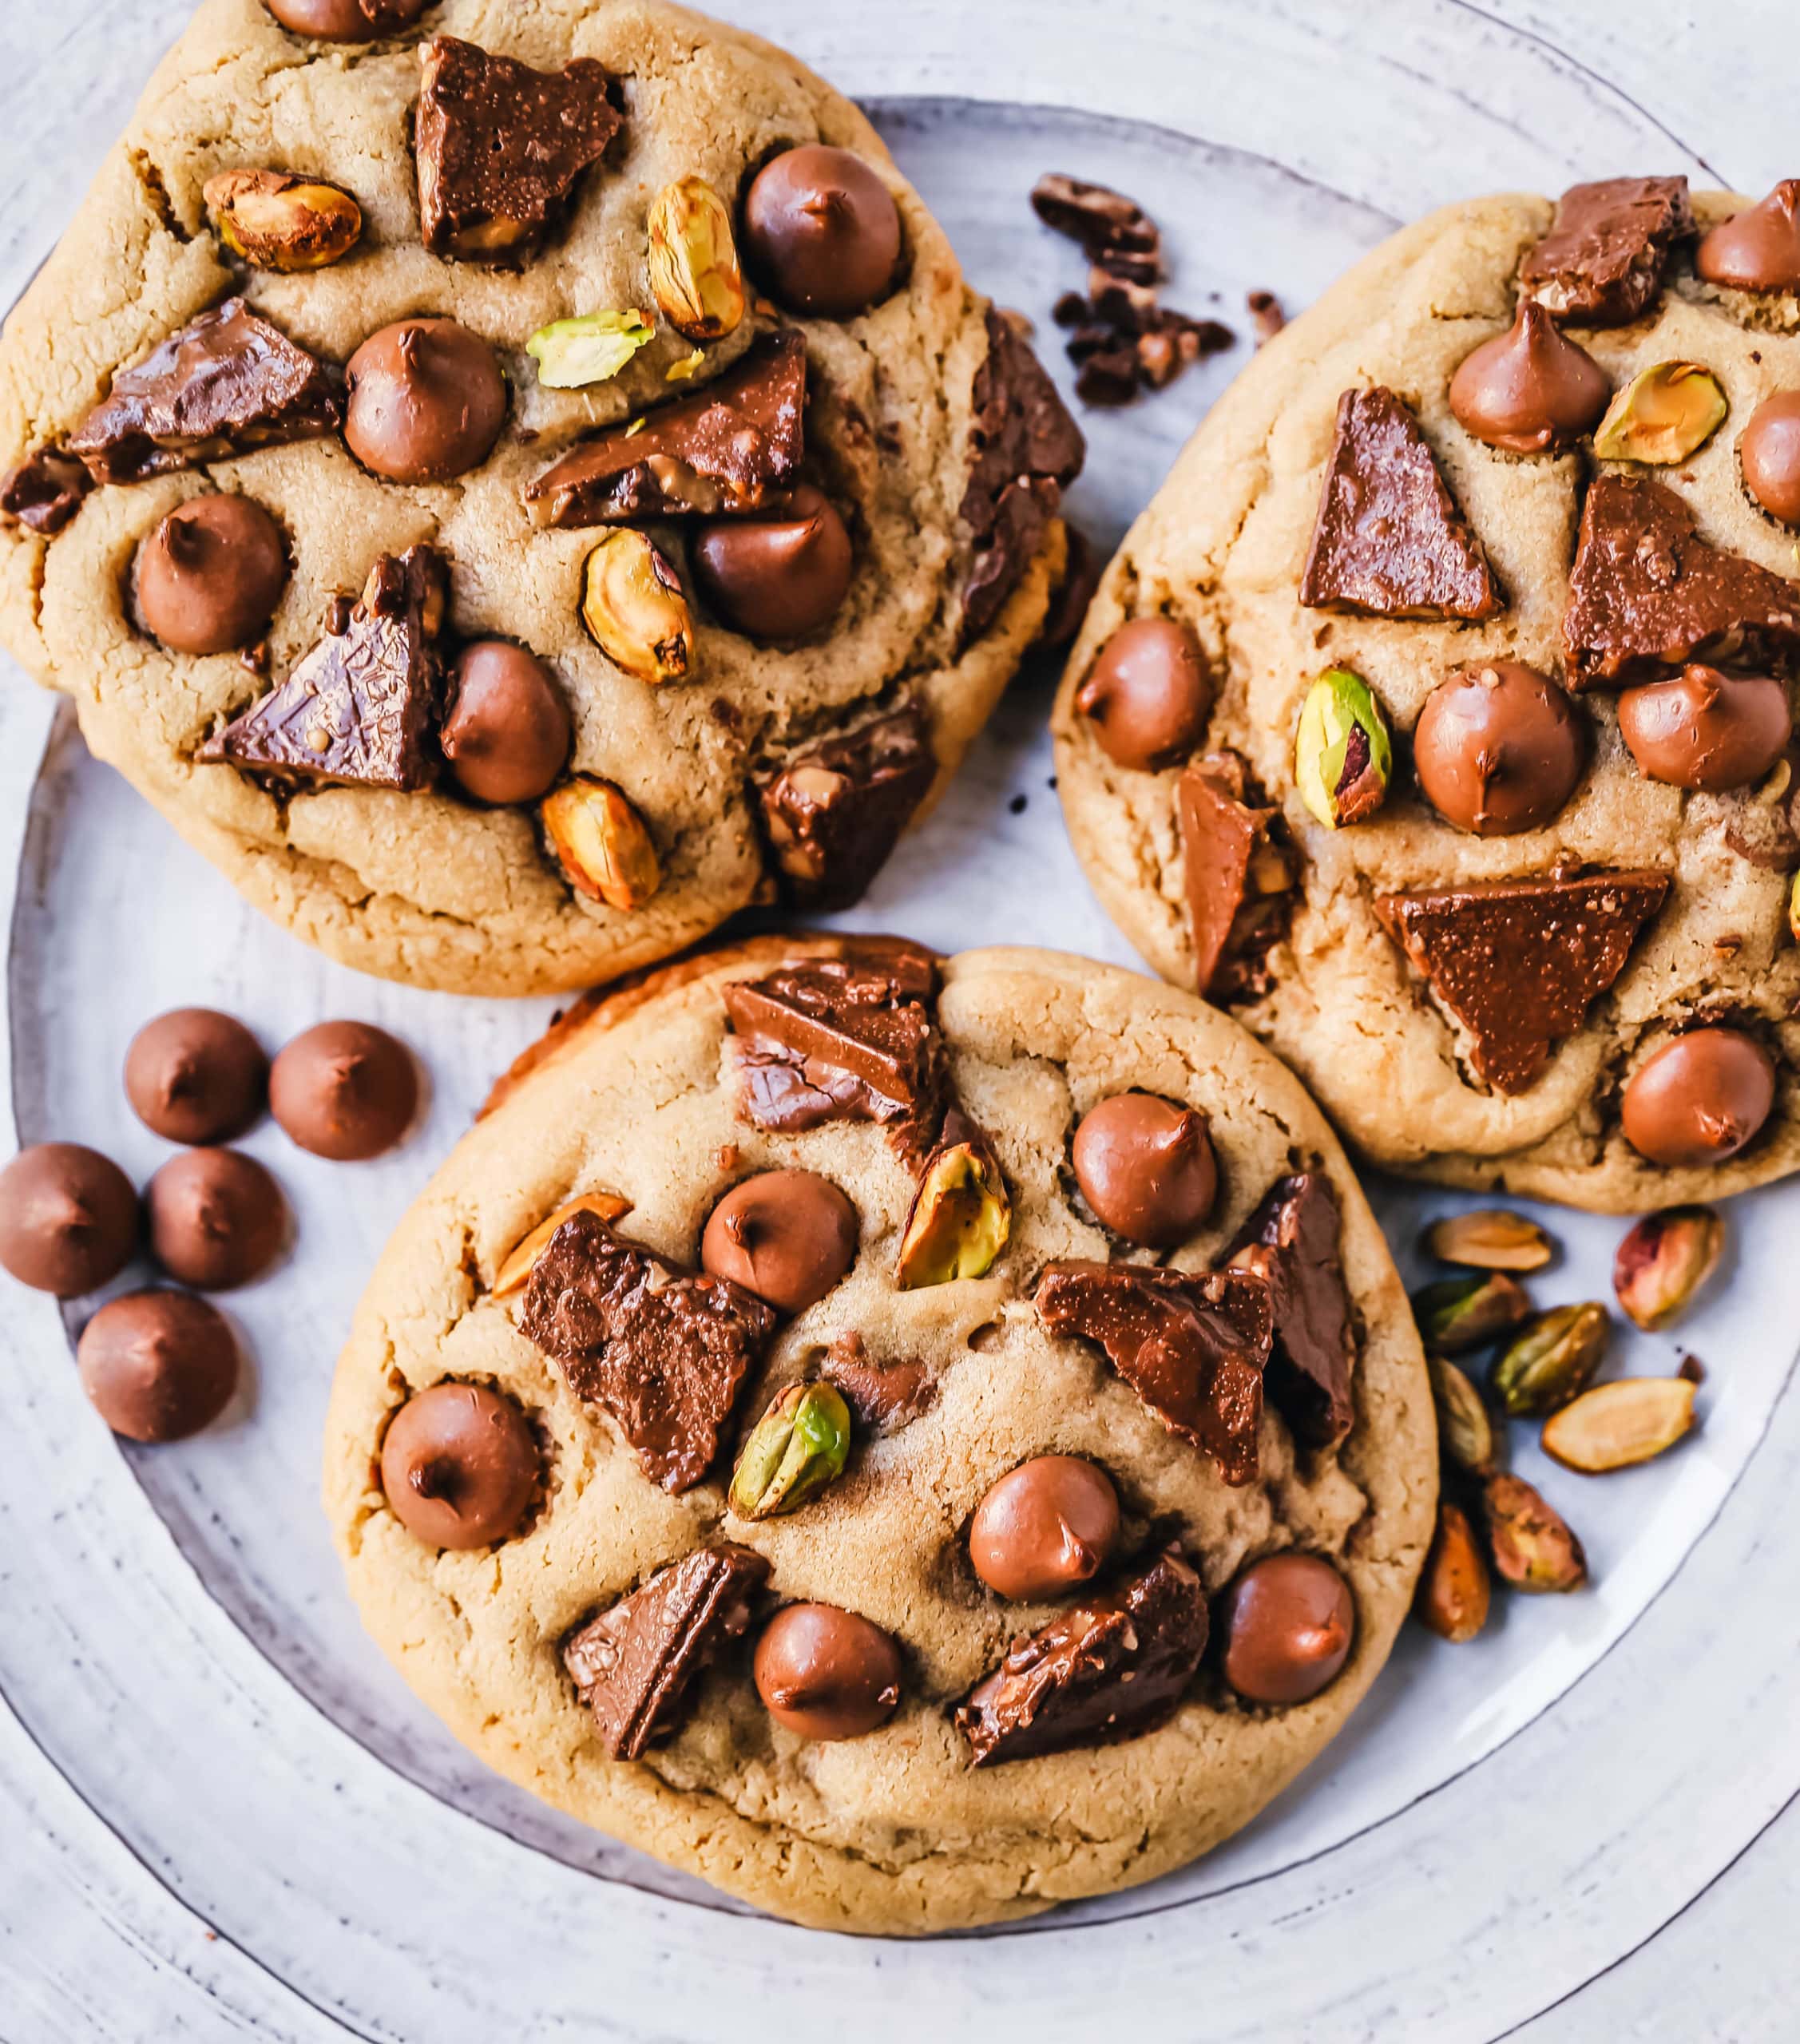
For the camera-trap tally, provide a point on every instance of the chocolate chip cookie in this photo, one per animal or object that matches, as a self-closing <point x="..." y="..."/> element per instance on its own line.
<point x="515" y="487"/>
<point x="911" y="1440"/>
<point x="1437" y="719"/>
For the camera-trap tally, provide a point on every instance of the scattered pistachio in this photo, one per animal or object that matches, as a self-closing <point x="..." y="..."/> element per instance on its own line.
<point x="694" y="267"/>
<point x="517" y="1269"/>
<point x="1663" y="415"/>
<point x="1453" y="1588"/>
<point x="680" y="372"/>
<point x="1532" y="1545"/>
<point x="1459" y="1313"/>
<point x="1343" y="754"/>
<point x="1664" y="1261"/>
<point x="601" y="841"/>
<point x="961" y="1218"/>
<point x="1616" y="1424"/>
<point x="1552" y="1361"/>
<point x="275" y="220"/>
<point x="632" y="602"/>
<point x="799" y="1446"/>
<point x="592" y="347"/>
<point x="1492" y="1240"/>
<point x="1464" y="1431"/>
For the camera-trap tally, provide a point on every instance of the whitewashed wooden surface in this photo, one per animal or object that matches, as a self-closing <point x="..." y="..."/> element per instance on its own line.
<point x="1627" y="1867"/>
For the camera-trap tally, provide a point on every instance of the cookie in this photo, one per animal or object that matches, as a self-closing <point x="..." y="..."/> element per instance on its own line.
<point x="1437" y="718"/>
<point x="894" y="1519"/>
<point x="518" y="492"/>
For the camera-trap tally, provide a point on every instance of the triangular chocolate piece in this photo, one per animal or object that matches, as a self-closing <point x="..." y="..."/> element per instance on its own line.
<point x="501" y="145"/>
<point x="1601" y="264"/>
<point x="1291" y="1241"/>
<point x="727" y="449"/>
<point x="1390" y="539"/>
<point x="1646" y="591"/>
<point x="1239" y="880"/>
<point x="222" y="384"/>
<point x="835" y="810"/>
<point x="1519" y="962"/>
<point x="359" y="710"/>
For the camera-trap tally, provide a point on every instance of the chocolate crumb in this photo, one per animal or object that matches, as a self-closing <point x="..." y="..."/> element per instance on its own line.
<point x="1692" y="1369"/>
<point x="1018" y="805"/>
<point x="1265" y="312"/>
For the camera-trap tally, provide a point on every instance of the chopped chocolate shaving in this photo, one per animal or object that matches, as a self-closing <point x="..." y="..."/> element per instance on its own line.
<point x="1024" y="450"/>
<point x="1519" y="962"/>
<point x="666" y="1351"/>
<point x="1106" y="1668"/>
<point x="1646" y="591"/>
<point x="1192" y="1344"/>
<point x="728" y="448"/>
<point x="884" y="1396"/>
<point x="500" y="146"/>
<point x="1239" y="878"/>
<point x="635" y="1664"/>
<point x="1601" y="264"/>
<point x="44" y="491"/>
<point x="1291" y="1241"/>
<point x="225" y="383"/>
<point x="833" y="812"/>
<point x="360" y="709"/>
<point x="1390" y="539"/>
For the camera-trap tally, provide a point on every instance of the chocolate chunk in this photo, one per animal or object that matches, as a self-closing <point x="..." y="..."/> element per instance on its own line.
<point x="1601" y="264"/>
<point x="728" y="448"/>
<point x="846" y="1039"/>
<point x="1291" y="1242"/>
<point x="1239" y="878"/>
<point x="885" y="1395"/>
<point x="1192" y="1344"/>
<point x="1390" y="539"/>
<point x="500" y="146"/>
<point x="835" y="810"/>
<point x="359" y="710"/>
<point x="1024" y="450"/>
<point x="1646" y="591"/>
<point x="666" y="1351"/>
<point x="44" y="491"/>
<point x="1110" y="227"/>
<point x="225" y="383"/>
<point x="635" y="1664"/>
<point x="1106" y="1668"/>
<point x="1519" y="962"/>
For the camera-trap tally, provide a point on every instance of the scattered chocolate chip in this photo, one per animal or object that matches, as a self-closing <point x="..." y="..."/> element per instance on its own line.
<point x="507" y="731"/>
<point x="1769" y="455"/>
<point x="217" y="1218"/>
<point x="1758" y="249"/>
<point x="1498" y="748"/>
<point x="195" y="1076"/>
<point x="69" y="1218"/>
<point x="834" y="810"/>
<point x="884" y="1394"/>
<point x="1240" y="878"/>
<point x="788" y="1236"/>
<point x="1518" y="963"/>
<point x="1531" y="389"/>
<point x="781" y="574"/>
<point x="1289" y="1622"/>
<point x="44" y="491"/>
<point x="1705" y="729"/>
<point x="1146" y="1166"/>
<point x="1291" y="1242"/>
<point x="209" y="578"/>
<point x="159" y="1366"/>
<point x="347" y="21"/>
<point x="1265" y="313"/>
<point x="1699" y="1100"/>
<point x="425" y="401"/>
<point x="1044" y="1528"/>
<point x="1601" y="264"/>
<point x="822" y="232"/>
<point x="827" y="1673"/>
<point x="460" y="1466"/>
<point x="344" y="1090"/>
<point x="1149" y="694"/>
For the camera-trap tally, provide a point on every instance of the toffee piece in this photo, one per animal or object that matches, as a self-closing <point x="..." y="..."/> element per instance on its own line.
<point x="1602" y="263"/>
<point x="1239" y="879"/>
<point x="834" y="810"/>
<point x="226" y="382"/>
<point x="1192" y="1345"/>
<point x="635" y="1664"/>
<point x="1291" y="1242"/>
<point x="500" y="147"/>
<point x="666" y="1351"/>
<point x="1109" y="1668"/>
<point x="1519" y="963"/>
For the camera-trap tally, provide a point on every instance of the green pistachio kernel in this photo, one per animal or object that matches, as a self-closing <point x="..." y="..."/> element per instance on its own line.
<point x="1343" y="754"/>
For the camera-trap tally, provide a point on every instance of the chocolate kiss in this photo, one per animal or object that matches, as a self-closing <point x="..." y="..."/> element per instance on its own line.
<point x="1530" y="389"/>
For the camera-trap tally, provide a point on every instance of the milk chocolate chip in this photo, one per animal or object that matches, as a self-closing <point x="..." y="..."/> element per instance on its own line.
<point x="784" y="574"/>
<point x="158" y="1365"/>
<point x="195" y="1076"/>
<point x="827" y="1673"/>
<point x="1148" y="693"/>
<point x="1769" y="454"/>
<point x="1499" y="749"/>
<point x="217" y="1219"/>
<point x="346" y="20"/>
<point x="209" y="576"/>
<point x="1699" y="1100"/>
<point x="426" y="401"/>
<point x="823" y="231"/>
<point x="1044" y="1527"/>
<point x="1530" y="389"/>
<point x="1289" y="1622"/>
<point x="786" y="1236"/>
<point x="1146" y="1168"/>
<point x="1758" y="249"/>
<point x="68" y="1218"/>
<point x="1705" y="730"/>
<point x="459" y="1464"/>
<point x="344" y="1090"/>
<point x="507" y="731"/>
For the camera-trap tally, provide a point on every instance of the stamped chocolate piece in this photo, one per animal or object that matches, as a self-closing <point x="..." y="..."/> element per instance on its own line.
<point x="1146" y="1166"/>
<point x="344" y="1090"/>
<point x="1044" y="1529"/>
<point x="225" y="383"/>
<point x="460" y="1466"/>
<point x="1499" y="749"/>
<point x="1703" y="729"/>
<point x="1108" y="1668"/>
<point x="1519" y="963"/>
<point x="827" y="1673"/>
<point x="1601" y="264"/>
<point x="1390" y="539"/>
<point x="1024" y="449"/>
<point x="195" y="1076"/>
<point x="1240" y="880"/>
<point x="1758" y="249"/>
<point x="44" y="491"/>
<point x="1769" y="455"/>
<point x="358" y="709"/>
<point x="209" y="578"/>
<point x="347" y="21"/>
<point x="500" y="147"/>
<point x="68" y="1218"/>
<point x="786" y="1236"/>
<point x="635" y="1664"/>
<point x="834" y="810"/>
<point x="884" y="1393"/>
<point x="1699" y="1100"/>
<point x="783" y="574"/>
<point x="217" y="1219"/>
<point x="1289" y="1622"/>
<point x="729" y="448"/>
<point x="1149" y="694"/>
<point x="1531" y="389"/>
<point x="507" y="731"/>
<point x="666" y="1351"/>
<point x="425" y="401"/>
<point x="158" y="1365"/>
<point x="822" y="232"/>
<point x="1192" y="1345"/>
<point x="1646" y="591"/>
<point x="1291" y="1242"/>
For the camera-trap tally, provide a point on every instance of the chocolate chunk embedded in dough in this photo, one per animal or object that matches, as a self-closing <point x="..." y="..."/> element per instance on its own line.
<point x="1601" y="264"/>
<point x="834" y="810"/>
<point x="1239" y="879"/>
<point x="884" y="1393"/>
<point x="1291" y="1242"/>
<point x="44" y="491"/>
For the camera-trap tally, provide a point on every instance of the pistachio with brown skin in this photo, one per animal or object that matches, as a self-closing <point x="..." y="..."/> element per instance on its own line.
<point x="1552" y="1361"/>
<point x="1460" y="1313"/>
<point x="1531" y="1543"/>
<point x="1664" y="1262"/>
<point x="1616" y="1425"/>
<point x="1453" y="1590"/>
<point x="1465" y="1433"/>
<point x="1491" y="1240"/>
<point x="275" y="220"/>
<point x="694" y="267"/>
<point x="600" y="842"/>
